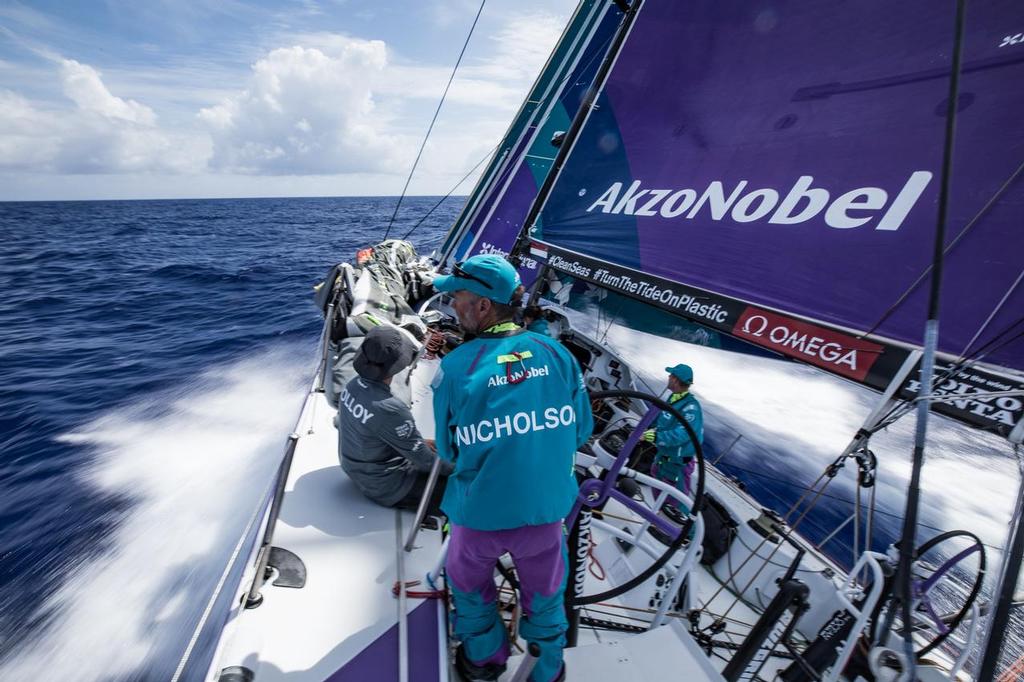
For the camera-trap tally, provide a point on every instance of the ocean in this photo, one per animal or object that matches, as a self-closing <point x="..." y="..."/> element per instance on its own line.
<point x="155" y="355"/>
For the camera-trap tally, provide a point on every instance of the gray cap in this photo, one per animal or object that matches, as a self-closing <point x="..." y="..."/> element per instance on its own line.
<point x="385" y="352"/>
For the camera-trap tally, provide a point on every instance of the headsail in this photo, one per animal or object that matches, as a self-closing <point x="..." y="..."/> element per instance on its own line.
<point x="772" y="173"/>
<point x="493" y="215"/>
<point x="498" y="222"/>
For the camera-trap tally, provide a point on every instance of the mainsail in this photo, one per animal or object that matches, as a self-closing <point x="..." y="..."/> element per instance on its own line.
<point x="494" y="213"/>
<point x="772" y="173"/>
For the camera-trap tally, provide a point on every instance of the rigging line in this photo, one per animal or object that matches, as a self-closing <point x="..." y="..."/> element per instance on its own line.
<point x="467" y="225"/>
<point x="836" y="498"/>
<point x="924" y="275"/>
<point x="902" y="408"/>
<point x="611" y="319"/>
<point x="994" y="344"/>
<point x="565" y="79"/>
<point x="434" y="120"/>
<point x="991" y="316"/>
<point x="454" y="187"/>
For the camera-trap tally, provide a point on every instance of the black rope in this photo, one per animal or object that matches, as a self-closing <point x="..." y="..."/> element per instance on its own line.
<point x="434" y="120"/>
<point x="454" y="187"/>
<point x="560" y="88"/>
<point x="924" y="275"/>
<point x="963" y="364"/>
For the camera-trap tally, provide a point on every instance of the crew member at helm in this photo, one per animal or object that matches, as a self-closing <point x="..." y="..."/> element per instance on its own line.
<point x="379" y="445"/>
<point x="674" y="462"/>
<point x="511" y="409"/>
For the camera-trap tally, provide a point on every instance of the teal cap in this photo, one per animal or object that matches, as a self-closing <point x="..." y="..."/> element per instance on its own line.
<point x="682" y="372"/>
<point x="486" y="275"/>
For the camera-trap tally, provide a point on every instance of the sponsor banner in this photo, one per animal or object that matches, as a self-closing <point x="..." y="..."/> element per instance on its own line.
<point x="968" y="402"/>
<point x="837" y="352"/>
<point x="869" y="362"/>
<point x="711" y="310"/>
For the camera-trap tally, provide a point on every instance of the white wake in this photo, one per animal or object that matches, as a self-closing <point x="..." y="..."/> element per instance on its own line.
<point x="970" y="477"/>
<point x="194" y="465"/>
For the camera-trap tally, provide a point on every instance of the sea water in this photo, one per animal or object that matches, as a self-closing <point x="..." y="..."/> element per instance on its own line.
<point x="153" y="358"/>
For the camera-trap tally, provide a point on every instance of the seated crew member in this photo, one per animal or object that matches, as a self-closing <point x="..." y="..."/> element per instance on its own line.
<point x="510" y="410"/>
<point x="674" y="462"/>
<point x="379" y="446"/>
<point x="534" y="321"/>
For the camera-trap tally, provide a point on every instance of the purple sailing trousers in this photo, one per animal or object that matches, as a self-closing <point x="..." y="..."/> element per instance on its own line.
<point x="539" y="553"/>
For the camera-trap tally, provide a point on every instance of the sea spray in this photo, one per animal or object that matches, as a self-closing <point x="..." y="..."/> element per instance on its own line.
<point x="193" y="466"/>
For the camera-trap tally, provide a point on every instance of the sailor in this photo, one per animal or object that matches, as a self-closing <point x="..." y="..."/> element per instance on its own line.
<point x="510" y="409"/>
<point x="534" y="319"/>
<point x="674" y="462"/>
<point x="379" y="445"/>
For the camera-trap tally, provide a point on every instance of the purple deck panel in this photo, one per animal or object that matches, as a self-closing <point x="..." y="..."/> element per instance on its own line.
<point x="379" y="661"/>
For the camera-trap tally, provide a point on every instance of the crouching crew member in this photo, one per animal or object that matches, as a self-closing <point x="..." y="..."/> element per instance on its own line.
<point x="674" y="462"/>
<point x="511" y="409"/>
<point x="379" y="445"/>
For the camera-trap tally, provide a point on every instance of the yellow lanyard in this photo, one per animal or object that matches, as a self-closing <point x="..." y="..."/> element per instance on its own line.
<point x="503" y="327"/>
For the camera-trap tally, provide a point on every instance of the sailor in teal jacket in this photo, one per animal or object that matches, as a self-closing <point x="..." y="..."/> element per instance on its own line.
<point x="674" y="462"/>
<point x="511" y="410"/>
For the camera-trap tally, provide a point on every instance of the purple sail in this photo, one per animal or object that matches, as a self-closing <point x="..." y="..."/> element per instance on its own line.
<point x="783" y="162"/>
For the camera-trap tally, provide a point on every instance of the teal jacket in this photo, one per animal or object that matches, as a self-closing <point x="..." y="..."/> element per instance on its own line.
<point x="512" y="428"/>
<point x="674" y="443"/>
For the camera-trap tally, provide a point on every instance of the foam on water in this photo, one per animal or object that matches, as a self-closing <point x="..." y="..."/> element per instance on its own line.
<point x="194" y="465"/>
<point x="796" y="420"/>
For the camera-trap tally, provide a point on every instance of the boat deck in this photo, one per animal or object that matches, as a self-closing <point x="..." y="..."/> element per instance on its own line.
<point x="343" y="624"/>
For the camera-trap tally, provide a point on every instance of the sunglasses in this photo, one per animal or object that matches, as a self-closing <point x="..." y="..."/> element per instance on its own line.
<point x="459" y="272"/>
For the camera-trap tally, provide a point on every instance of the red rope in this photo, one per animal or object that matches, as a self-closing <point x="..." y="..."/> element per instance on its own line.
<point x="417" y="594"/>
<point x="508" y="370"/>
<point x="595" y="563"/>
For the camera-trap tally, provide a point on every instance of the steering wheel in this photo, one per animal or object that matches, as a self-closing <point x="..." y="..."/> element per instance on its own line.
<point x="595" y="492"/>
<point x="945" y="584"/>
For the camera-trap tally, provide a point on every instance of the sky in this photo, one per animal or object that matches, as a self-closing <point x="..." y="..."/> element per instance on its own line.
<point x="150" y="99"/>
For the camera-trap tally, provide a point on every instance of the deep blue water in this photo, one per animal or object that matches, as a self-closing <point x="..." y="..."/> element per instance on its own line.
<point x="152" y="358"/>
<point x="112" y="315"/>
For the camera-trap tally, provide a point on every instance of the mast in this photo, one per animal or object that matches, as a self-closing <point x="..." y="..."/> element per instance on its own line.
<point x="931" y="341"/>
<point x="498" y="219"/>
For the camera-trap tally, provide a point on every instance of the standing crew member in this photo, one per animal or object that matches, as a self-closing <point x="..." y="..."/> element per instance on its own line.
<point x="511" y="410"/>
<point x="674" y="462"/>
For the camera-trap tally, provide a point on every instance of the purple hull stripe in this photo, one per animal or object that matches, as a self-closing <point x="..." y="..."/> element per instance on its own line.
<point x="379" y="661"/>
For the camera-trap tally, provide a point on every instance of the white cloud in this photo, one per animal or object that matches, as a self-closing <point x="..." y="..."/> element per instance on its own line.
<point x="521" y="44"/>
<point x="316" y="104"/>
<point x="83" y="85"/>
<point x="23" y="142"/>
<point x="103" y="133"/>
<point x="445" y="14"/>
<point x="305" y="111"/>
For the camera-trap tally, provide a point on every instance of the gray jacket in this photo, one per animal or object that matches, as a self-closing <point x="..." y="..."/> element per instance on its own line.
<point x="379" y="445"/>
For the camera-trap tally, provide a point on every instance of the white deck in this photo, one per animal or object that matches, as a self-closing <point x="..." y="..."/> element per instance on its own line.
<point x="346" y="614"/>
<point x="348" y="546"/>
<point x="343" y="624"/>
